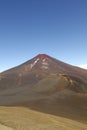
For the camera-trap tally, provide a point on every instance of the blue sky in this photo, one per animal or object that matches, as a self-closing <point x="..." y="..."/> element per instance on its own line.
<point x="54" y="27"/>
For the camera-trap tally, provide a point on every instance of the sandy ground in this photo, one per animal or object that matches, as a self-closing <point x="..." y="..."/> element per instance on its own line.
<point x="20" y="118"/>
<point x="2" y="127"/>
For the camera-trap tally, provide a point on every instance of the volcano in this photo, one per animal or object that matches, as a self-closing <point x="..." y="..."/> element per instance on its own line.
<point x="47" y="85"/>
<point x="41" y="68"/>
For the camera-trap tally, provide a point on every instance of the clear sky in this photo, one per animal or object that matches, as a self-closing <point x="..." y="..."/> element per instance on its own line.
<point x="54" y="27"/>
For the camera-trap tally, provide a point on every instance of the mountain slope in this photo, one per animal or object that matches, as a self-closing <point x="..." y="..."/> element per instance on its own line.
<point x="39" y="68"/>
<point x="47" y="85"/>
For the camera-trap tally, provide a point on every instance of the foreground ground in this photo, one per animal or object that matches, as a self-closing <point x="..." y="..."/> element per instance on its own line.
<point x="21" y="118"/>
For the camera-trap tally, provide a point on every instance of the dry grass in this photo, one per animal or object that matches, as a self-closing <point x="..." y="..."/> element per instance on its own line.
<point x="2" y="127"/>
<point x="20" y="118"/>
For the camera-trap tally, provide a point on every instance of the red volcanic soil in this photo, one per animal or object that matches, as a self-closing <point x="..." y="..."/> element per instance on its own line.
<point x="42" y="56"/>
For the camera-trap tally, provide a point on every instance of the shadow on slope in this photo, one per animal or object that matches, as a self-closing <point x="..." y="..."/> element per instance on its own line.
<point x="74" y="107"/>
